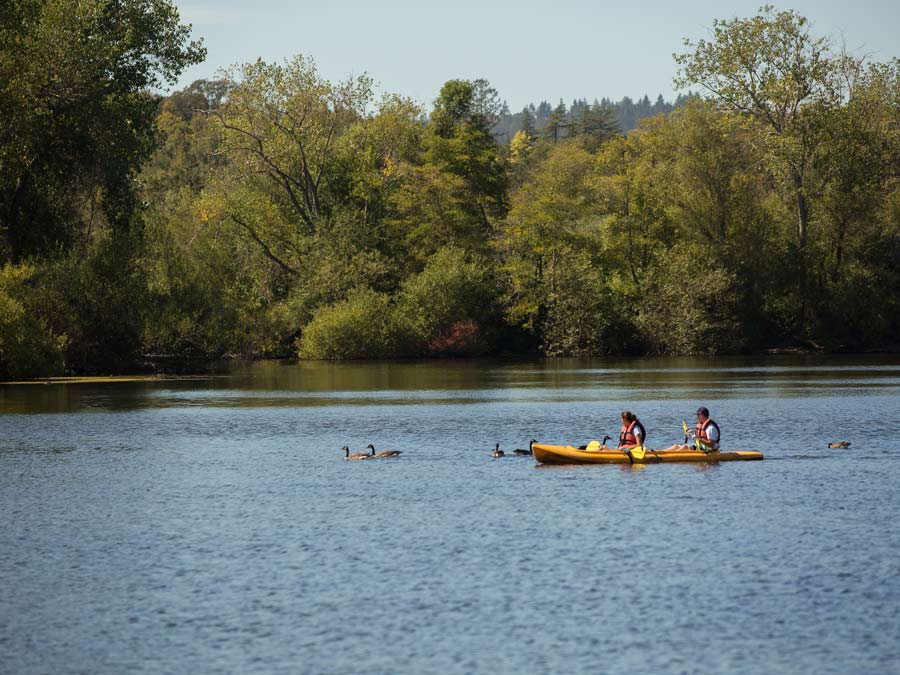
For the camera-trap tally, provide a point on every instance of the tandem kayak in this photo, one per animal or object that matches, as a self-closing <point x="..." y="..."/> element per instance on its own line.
<point x="566" y="454"/>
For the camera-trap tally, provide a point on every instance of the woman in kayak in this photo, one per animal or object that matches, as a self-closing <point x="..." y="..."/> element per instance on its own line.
<point x="633" y="432"/>
<point x="706" y="435"/>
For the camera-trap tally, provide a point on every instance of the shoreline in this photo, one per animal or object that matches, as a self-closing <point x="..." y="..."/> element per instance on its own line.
<point x="156" y="371"/>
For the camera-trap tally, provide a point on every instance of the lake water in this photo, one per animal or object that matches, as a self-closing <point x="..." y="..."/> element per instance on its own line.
<point x="209" y="525"/>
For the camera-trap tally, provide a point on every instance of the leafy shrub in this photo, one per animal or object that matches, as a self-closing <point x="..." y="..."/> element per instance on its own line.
<point x="583" y="317"/>
<point x="97" y="298"/>
<point x="205" y="301"/>
<point x="28" y="348"/>
<point x="360" y="327"/>
<point x="688" y="305"/>
<point x="859" y="310"/>
<point x="450" y="307"/>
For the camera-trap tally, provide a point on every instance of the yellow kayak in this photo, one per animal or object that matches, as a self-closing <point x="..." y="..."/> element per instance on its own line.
<point x="566" y="454"/>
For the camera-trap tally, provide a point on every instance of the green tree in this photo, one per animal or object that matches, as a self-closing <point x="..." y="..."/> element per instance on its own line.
<point x="210" y="292"/>
<point x="431" y="209"/>
<point x="634" y="222"/>
<point x="459" y="141"/>
<point x="78" y="118"/>
<point x="281" y="125"/>
<point x="187" y="146"/>
<point x="771" y="67"/>
<point x="557" y="125"/>
<point x="595" y="124"/>
<point x="527" y="123"/>
<point x="853" y="263"/>
<point x="545" y="212"/>
<point x="372" y="157"/>
<point x="693" y="181"/>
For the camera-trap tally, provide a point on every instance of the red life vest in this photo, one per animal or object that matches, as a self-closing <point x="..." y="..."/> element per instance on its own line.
<point x="627" y="437"/>
<point x="706" y="440"/>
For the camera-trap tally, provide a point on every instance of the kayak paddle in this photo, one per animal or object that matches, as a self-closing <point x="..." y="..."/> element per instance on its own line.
<point x="700" y="446"/>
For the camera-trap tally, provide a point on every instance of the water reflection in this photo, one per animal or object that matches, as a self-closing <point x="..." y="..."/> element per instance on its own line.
<point x="290" y="384"/>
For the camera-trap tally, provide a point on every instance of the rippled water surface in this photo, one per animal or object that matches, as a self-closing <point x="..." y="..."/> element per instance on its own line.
<point x="209" y="525"/>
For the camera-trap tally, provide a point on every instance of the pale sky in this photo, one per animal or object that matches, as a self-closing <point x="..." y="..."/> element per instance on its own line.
<point x="529" y="52"/>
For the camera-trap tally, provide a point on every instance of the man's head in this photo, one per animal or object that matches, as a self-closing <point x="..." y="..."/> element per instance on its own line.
<point x="702" y="413"/>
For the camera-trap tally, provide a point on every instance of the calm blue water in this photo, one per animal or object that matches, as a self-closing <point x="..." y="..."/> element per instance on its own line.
<point x="209" y="525"/>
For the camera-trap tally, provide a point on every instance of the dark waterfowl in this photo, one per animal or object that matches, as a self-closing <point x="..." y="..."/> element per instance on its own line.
<point x="497" y="451"/>
<point x="522" y="451"/>
<point x="355" y="455"/>
<point x="839" y="444"/>
<point x="383" y="453"/>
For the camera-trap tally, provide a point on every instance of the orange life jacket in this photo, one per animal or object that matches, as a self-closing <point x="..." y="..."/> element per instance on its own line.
<point x="627" y="438"/>
<point x="706" y="440"/>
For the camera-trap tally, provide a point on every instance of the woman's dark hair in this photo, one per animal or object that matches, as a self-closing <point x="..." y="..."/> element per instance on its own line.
<point x="628" y="416"/>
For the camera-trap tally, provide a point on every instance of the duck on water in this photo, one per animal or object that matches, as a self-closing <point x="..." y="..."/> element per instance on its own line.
<point x="523" y="451"/>
<point x="355" y="455"/>
<point x="383" y="453"/>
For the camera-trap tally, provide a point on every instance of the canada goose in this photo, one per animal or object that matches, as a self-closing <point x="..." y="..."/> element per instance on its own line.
<point x="497" y="451"/>
<point x="383" y="453"/>
<point x="603" y="443"/>
<point x="839" y="444"/>
<point x="529" y="451"/>
<point x="355" y="455"/>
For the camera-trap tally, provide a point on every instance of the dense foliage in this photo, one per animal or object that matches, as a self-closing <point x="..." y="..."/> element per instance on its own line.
<point x="275" y="213"/>
<point x="78" y="124"/>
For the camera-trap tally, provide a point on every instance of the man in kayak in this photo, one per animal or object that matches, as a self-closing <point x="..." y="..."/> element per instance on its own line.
<point x="633" y="432"/>
<point x="706" y="434"/>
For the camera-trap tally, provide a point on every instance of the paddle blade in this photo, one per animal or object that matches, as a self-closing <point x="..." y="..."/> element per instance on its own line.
<point x="685" y="427"/>
<point x="638" y="452"/>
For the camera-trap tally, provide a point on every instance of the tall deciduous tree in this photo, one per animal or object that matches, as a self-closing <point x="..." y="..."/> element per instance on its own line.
<point x="797" y="90"/>
<point x="771" y="67"/>
<point x="546" y="219"/>
<point x="281" y="125"/>
<point x="77" y="117"/>
<point x="858" y="247"/>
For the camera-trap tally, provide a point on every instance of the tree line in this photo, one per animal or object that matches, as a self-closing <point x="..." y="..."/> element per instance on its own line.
<point x="274" y="213"/>
<point x="622" y="115"/>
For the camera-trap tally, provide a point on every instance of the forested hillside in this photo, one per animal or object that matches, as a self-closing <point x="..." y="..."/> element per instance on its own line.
<point x="275" y="213"/>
